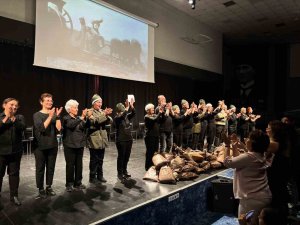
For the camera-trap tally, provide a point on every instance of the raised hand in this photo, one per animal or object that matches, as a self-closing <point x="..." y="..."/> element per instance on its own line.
<point x="108" y="111"/>
<point x="58" y="111"/>
<point x="51" y="112"/>
<point x="84" y="113"/>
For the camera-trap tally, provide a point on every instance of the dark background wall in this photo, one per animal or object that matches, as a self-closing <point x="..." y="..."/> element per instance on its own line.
<point x="275" y="92"/>
<point x="20" y="79"/>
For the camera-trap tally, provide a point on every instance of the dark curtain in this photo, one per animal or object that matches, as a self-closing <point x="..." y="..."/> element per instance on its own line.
<point x="20" y="79"/>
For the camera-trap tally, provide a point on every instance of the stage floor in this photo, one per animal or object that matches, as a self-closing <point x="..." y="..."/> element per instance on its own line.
<point x="87" y="206"/>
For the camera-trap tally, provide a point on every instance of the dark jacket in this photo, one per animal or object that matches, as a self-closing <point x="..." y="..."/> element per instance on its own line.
<point x="165" y="124"/>
<point x="122" y="125"/>
<point x="11" y="134"/>
<point x="74" y="132"/>
<point x="152" y="124"/>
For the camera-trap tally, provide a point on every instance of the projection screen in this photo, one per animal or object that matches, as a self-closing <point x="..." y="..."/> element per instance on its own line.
<point x="89" y="37"/>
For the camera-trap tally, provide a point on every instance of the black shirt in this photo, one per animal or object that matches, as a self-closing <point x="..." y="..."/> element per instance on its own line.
<point x="73" y="132"/>
<point x="122" y="125"/>
<point x="152" y="124"/>
<point x="11" y="135"/>
<point x="46" y="137"/>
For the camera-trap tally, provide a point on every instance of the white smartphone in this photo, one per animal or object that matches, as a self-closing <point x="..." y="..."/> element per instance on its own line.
<point x="130" y="97"/>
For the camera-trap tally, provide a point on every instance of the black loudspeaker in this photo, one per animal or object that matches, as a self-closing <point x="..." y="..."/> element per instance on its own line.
<point x="221" y="196"/>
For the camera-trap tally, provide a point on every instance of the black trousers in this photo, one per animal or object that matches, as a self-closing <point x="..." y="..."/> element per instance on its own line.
<point x="45" y="159"/>
<point x="211" y="133"/>
<point x="177" y="139"/>
<point x="96" y="163"/>
<point x="151" y="147"/>
<point x="12" y="162"/>
<point x="195" y="140"/>
<point x="202" y="134"/>
<point x="73" y="157"/>
<point x="187" y="136"/>
<point x="220" y="130"/>
<point x="124" y="150"/>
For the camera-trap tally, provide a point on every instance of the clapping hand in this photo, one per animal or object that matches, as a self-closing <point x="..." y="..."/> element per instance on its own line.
<point x="58" y="111"/>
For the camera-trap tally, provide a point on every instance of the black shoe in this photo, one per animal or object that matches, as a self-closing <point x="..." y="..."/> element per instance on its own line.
<point x="102" y="179"/>
<point x="80" y="187"/>
<point x="50" y="191"/>
<point x="15" y="200"/>
<point x="42" y="194"/>
<point x="94" y="181"/>
<point x="127" y="175"/>
<point x="121" y="178"/>
<point x="69" y="189"/>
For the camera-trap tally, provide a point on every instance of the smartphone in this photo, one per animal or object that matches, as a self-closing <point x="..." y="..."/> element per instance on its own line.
<point x="249" y="215"/>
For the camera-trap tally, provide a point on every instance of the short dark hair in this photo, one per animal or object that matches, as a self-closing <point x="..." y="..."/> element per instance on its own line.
<point x="259" y="141"/>
<point x="9" y="99"/>
<point x="45" y="95"/>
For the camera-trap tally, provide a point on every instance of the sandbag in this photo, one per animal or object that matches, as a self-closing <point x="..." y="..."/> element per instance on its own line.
<point x="151" y="174"/>
<point x="159" y="161"/>
<point x="166" y="175"/>
<point x="187" y="176"/>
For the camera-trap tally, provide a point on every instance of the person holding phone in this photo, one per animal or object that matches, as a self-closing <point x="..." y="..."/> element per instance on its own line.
<point x="124" y="115"/>
<point x="12" y="127"/>
<point x="46" y="125"/>
<point x="250" y="182"/>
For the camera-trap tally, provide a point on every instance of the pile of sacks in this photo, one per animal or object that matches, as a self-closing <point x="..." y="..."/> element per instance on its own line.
<point x="183" y="164"/>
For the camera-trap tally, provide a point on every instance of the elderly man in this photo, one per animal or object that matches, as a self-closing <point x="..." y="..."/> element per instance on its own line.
<point x="97" y="138"/>
<point x="165" y="126"/>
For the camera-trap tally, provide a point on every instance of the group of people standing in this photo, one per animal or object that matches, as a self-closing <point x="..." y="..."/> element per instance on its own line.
<point x="190" y="126"/>
<point x="87" y="129"/>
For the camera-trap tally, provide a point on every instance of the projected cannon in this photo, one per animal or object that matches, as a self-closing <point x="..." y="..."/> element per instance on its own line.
<point x="57" y="7"/>
<point x="126" y="52"/>
<point x="89" y="38"/>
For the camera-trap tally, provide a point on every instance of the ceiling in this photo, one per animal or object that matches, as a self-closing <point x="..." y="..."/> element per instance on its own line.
<point x="247" y="20"/>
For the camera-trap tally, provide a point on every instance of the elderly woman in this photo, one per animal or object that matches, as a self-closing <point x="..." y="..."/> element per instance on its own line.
<point x="74" y="142"/>
<point x="11" y="148"/>
<point x="46" y="125"/>
<point x="123" y="138"/>
<point x="152" y="121"/>
<point x="97" y="139"/>
<point x="250" y="182"/>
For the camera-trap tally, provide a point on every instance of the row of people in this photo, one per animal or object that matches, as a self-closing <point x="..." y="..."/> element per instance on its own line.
<point x="192" y="124"/>
<point x="79" y="131"/>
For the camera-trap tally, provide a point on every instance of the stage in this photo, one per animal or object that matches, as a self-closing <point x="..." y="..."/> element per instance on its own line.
<point x="108" y="203"/>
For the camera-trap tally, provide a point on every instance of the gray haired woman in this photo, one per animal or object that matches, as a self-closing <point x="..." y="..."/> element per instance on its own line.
<point x="152" y="132"/>
<point x="74" y="142"/>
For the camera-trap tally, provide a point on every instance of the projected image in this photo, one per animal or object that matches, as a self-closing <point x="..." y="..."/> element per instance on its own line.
<point x="87" y="37"/>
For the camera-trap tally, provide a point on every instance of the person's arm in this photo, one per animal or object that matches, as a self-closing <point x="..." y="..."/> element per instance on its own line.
<point x="20" y="122"/>
<point x="71" y="123"/>
<point x="237" y="162"/>
<point x="58" y="121"/>
<point x="47" y="122"/>
<point x="131" y="113"/>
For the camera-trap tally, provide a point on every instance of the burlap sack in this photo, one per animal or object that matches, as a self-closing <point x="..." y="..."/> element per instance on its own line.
<point x="187" y="176"/>
<point x="166" y="175"/>
<point x="151" y="174"/>
<point x="159" y="161"/>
